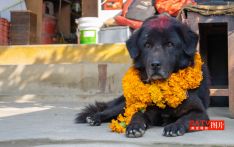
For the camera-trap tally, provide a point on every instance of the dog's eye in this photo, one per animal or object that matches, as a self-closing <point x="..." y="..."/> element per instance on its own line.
<point x="169" y="44"/>
<point x="147" y="45"/>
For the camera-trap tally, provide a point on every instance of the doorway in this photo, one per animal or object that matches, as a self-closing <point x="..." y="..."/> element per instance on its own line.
<point x="214" y="50"/>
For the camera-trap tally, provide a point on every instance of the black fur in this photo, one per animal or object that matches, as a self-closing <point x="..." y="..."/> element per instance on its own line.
<point x="91" y="109"/>
<point x="101" y="112"/>
<point x="160" y="47"/>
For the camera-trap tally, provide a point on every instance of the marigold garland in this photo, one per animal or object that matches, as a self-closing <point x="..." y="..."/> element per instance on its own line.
<point x="170" y="93"/>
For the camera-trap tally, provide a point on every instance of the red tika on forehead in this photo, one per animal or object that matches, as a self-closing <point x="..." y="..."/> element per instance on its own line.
<point x="161" y="22"/>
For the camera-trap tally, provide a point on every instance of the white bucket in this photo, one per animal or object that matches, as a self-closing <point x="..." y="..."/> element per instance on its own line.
<point x="87" y="30"/>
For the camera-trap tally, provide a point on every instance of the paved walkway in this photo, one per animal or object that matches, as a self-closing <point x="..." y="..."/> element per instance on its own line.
<point x="41" y="123"/>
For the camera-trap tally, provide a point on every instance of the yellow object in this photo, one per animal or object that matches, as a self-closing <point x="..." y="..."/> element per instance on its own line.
<point x="64" y="54"/>
<point x="171" y="92"/>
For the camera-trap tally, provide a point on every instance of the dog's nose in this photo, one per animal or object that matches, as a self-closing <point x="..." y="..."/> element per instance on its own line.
<point x="156" y="64"/>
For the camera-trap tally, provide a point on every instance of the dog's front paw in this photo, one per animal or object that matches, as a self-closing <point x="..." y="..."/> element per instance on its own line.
<point x="93" y="120"/>
<point x="174" y="129"/>
<point x="135" y="130"/>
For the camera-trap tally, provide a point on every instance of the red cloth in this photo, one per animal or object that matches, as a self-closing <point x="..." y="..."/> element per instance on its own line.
<point x="171" y="6"/>
<point x="123" y="21"/>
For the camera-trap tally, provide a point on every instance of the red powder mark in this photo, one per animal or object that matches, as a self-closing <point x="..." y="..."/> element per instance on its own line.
<point x="161" y="22"/>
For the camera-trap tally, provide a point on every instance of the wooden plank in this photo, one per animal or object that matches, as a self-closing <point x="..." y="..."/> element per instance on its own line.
<point x="89" y="8"/>
<point x="102" y="77"/>
<point x="36" y="6"/>
<point x="219" y="92"/>
<point x="231" y="72"/>
<point x="64" y="21"/>
<point x="195" y="18"/>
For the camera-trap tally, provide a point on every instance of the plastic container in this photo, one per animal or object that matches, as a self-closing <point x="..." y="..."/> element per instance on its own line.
<point x="117" y="34"/>
<point x="4" y="31"/>
<point x="48" y="30"/>
<point x="88" y="29"/>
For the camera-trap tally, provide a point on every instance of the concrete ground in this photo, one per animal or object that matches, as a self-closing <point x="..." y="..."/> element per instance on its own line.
<point x="42" y="121"/>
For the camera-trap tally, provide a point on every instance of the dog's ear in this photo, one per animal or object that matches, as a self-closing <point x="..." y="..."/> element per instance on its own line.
<point x="131" y="44"/>
<point x="191" y="39"/>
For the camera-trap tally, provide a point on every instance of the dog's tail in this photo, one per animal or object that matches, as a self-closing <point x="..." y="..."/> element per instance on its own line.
<point x="90" y="110"/>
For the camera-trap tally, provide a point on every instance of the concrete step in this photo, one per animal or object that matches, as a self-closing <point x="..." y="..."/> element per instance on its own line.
<point x="42" y="88"/>
<point x="62" y="79"/>
<point x="63" y="70"/>
<point x="38" y="123"/>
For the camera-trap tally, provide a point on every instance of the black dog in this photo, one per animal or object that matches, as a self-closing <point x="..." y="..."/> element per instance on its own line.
<point x="159" y="48"/>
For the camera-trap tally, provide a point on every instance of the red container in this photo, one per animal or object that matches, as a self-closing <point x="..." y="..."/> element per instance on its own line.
<point x="4" y="31"/>
<point x="48" y="29"/>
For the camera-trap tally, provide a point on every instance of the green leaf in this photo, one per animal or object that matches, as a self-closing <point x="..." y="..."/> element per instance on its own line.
<point x="123" y="124"/>
<point x="142" y="110"/>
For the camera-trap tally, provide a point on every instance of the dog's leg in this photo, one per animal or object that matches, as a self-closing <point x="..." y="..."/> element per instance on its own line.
<point x="99" y="112"/>
<point x="137" y="126"/>
<point x="193" y="109"/>
<point x="141" y="121"/>
<point x="106" y="115"/>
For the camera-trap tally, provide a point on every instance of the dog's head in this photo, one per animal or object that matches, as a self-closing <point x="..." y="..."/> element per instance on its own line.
<point x="162" y="46"/>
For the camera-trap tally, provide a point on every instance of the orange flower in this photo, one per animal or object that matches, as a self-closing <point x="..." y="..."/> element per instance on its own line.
<point x="116" y="126"/>
<point x="171" y="92"/>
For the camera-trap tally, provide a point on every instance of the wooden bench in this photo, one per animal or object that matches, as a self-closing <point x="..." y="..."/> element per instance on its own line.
<point x="194" y="19"/>
<point x="219" y="92"/>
